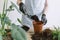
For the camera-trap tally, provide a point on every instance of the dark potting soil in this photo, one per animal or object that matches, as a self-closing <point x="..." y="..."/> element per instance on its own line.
<point x="8" y="35"/>
<point x="45" y="35"/>
<point x="7" y="38"/>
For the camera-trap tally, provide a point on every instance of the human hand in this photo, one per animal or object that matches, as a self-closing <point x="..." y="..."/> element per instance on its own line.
<point x="19" y="1"/>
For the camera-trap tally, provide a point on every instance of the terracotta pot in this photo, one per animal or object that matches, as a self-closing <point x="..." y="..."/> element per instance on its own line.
<point x="37" y="26"/>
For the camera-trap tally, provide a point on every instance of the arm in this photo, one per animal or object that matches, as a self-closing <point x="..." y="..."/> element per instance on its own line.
<point x="45" y="7"/>
<point x="43" y="18"/>
<point x="21" y="5"/>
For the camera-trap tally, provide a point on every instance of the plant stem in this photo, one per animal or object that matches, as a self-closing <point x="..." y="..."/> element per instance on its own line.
<point x="6" y="5"/>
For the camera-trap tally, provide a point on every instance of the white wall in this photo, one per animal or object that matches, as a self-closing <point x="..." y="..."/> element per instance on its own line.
<point x="53" y="15"/>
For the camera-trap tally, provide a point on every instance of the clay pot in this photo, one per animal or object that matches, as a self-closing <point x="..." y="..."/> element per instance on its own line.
<point x="37" y="26"/>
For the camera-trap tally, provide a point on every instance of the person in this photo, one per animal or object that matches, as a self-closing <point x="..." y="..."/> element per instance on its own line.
<point x="33" y="11"/>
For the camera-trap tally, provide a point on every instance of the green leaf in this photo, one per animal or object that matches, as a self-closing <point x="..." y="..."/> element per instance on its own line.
<point x="18" y="33"/>
<point x="4" y="6"/>
<point x="19" y="20"/>
<point x="7" y="20"/>
<point x="59" y="36"/>
<point x="14" y="5"/>
<point x="23" y="32"/>
<point x="3" y="15"/>
<point x="10" y="8"/>
<point x="0" y="15"/>
<point x="2" y="23"/>
<point x="1" y="37"/>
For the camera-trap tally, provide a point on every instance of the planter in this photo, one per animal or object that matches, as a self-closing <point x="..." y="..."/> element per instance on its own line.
<point x="37" y="26"/>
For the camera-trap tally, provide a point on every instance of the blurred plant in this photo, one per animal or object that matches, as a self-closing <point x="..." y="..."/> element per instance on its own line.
<point x="10" y="8"/>
<point x="13" y="5"/>
<point x="56" y="33"/>
<point x="4" y="20"/>
<point x="18" y="33"/>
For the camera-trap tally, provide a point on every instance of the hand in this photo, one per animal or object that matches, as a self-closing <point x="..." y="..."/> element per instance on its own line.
<point x="34" y="22"/>
<point x="19" y="1"/>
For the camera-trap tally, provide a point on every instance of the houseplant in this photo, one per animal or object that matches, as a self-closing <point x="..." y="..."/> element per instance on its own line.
<point x="4" y="20"/>
<point x="56" y="33"/>
<point x="15" y="32"/>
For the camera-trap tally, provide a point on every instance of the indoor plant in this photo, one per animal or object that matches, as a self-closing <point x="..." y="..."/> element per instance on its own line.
<point x="4" y="20"/>
<point x="15" y="32"/>
<point x="56" y="33"/>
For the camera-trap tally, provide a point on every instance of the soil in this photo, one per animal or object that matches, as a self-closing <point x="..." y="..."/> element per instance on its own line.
<point x="8" y="35"/>
<point x="7" y="38"/>
<point x="45" y="35"/>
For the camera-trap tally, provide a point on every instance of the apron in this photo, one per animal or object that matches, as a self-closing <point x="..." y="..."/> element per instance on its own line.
<point x="34" y="7"/>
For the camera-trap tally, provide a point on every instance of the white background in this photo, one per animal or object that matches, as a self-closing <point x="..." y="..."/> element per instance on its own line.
<point x="53" y="14"/>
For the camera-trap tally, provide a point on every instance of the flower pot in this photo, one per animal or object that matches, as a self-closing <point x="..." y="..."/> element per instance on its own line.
<point x="37" y="26"/>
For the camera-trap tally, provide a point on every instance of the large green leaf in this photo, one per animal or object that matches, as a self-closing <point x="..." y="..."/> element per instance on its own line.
<point x="18" y="33"/>
<point x="23" y="32"/>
